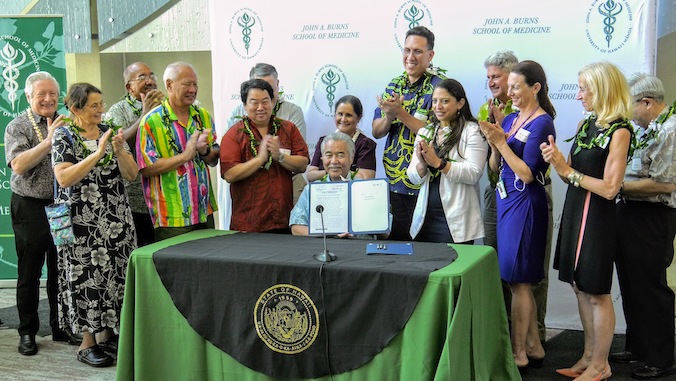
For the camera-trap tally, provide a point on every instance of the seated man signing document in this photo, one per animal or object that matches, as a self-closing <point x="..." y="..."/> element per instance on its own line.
<point x="337" y="155"/>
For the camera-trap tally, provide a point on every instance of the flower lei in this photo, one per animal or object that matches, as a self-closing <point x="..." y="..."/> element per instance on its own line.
<point x="599" y="141"/>
<point x="132" y="103"/>
<point x="75" y="132"/>
<point x="652" y="133"/>
<point x="29" y="113"/>
<point x="253" y="143"/>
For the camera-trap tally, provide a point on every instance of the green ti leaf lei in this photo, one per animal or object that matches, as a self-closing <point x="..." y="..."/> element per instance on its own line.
<point x="253" y="143"/>
<point x="75" y="132"/>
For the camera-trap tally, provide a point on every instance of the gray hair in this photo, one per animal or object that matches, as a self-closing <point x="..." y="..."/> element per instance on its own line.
<point x="339" y="137"/>
<point x="262" y="70"/>
<point x="171" y="72"/>
<point x="504" y="59"/>
<point x="39" y="76"/>
<point x="643" y="85"/>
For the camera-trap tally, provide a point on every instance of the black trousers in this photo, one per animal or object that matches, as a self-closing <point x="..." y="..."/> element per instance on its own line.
<point x="145" y="231"/>
<point x="33" y="244"/>
<point x="646" y="248"/>
<point x="402" y="207"/>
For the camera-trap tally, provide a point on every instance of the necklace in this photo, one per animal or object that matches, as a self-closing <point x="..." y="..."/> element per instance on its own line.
<point x="75" y="132"/>
<point x="170" y="131"/>
<point x="132" y="103"/>
<point x="253" y="143"/>
<point x="29" y="113"/>
<point x="651" y="133"/>
<point x="510" y="134"/>
<point x="601" y="140"/>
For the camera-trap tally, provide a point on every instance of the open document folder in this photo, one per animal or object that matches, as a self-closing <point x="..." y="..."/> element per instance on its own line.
<point x="357" y="207"/>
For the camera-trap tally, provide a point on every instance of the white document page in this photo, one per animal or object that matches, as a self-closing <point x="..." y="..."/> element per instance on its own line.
<point x="370" y="206"/>
<point x="334" y="198"/>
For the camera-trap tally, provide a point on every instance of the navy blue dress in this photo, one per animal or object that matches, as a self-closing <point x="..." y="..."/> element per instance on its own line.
<point x="522" y="216"/>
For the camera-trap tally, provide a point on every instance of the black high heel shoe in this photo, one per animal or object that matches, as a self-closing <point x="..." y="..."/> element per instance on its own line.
<point x="523" y="370"/>
<point x="535" y="363"/>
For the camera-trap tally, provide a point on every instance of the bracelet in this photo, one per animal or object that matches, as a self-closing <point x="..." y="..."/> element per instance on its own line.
<point x="281" y="157"/>
<point x="574" y="178"/>
<point x="442" y="165"/>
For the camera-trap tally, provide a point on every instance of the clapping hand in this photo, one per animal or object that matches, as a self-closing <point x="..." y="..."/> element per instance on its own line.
<point x="494" y="134"/>
<point x="118" y="142"/>
<point x="151" y="100"/>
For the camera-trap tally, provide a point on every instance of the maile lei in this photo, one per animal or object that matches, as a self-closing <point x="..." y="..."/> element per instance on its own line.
<point x="253" y="143"/>
<point x="170" y="131"/>
<point x="652" y="132"/>
<point x="430" y="72"/>
<point x="132" y="103"/>
<point x="75" y="132"/>
<point x="601" y="140"/>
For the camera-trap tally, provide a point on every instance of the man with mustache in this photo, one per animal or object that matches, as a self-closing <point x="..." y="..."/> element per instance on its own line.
<point x="142" y="96"/>
<point x="175" y="143"/>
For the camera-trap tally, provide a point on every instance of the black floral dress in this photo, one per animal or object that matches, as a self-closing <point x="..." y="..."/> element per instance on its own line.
<point x="92" y="271"/>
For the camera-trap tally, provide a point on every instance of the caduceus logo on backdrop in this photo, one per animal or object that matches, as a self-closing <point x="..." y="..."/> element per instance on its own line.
<point x="410" y="14"/>
<point x="16" y="56"/>
<point x="329" y="84"/>
<point x="609" y="25"/>
<point x="246" y="33"/>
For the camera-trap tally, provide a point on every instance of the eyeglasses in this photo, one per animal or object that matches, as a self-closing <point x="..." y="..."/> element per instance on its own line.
<point x="98" y="105"/>
<point x="144" y="78"/>
<point x="416" y="52"/>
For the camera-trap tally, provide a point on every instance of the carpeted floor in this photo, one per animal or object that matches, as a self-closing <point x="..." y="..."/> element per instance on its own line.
<point x="565" y="349"/>
<point x="10" y="318"/>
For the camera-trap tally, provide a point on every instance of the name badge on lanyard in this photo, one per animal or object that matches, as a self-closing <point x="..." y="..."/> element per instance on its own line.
<point x="91" y="145"/>
<point x="636" y="164"/>
<point x="522" y="135"/>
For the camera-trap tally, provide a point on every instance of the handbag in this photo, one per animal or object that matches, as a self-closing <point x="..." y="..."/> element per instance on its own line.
<point x="60" y="224"/>
<point x="59" y="218"/>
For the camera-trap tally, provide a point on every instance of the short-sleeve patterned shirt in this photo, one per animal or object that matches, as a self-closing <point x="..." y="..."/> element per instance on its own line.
<point x="184" y="196"/>
<point x="20" y="136"/>
<point x="656" y="157"/>
<point x="417" y="100"/>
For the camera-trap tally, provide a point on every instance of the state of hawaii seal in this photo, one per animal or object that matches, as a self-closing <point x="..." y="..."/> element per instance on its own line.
<point x="286" y="319"/>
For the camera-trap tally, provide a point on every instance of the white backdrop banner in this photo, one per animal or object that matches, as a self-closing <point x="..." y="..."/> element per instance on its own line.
<point x="322" y="54"/>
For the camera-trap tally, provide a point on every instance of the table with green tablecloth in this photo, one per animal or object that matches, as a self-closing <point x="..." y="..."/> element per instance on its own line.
<point x="457" y="329"/>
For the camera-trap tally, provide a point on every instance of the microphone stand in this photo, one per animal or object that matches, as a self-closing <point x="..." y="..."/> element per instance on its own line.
<point x="326" y="255"/>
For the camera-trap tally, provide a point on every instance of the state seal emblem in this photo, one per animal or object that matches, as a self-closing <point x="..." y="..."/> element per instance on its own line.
<point x="286" y="319"/>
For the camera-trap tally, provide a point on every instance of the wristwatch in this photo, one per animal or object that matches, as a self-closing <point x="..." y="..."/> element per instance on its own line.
<point x="442" y="165"/>
<point x="282" y="155"/>
<point x="207" y="152"/>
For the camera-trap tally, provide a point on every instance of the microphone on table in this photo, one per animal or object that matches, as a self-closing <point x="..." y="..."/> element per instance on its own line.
<point x="326" y="255"/>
